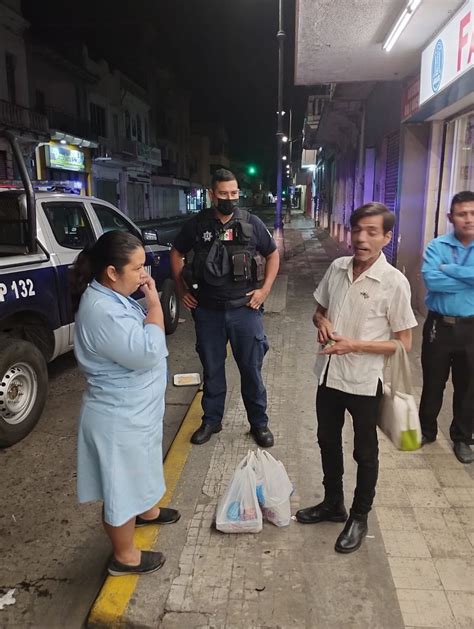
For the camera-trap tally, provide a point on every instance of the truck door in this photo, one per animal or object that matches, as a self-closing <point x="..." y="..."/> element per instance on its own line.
<point x="71" y="231"/>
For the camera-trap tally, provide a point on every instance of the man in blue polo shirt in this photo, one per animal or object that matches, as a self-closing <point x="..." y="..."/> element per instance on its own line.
<point x="448" y="334"/>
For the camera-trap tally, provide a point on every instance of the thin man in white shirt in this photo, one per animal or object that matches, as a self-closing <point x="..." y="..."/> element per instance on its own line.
<point x="363" y="302"/>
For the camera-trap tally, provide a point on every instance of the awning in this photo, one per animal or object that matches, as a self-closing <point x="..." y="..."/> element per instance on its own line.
<point x="453" y="99"/>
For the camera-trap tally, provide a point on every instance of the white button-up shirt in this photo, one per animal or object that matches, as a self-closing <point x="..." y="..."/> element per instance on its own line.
<point x="371" y="308"/>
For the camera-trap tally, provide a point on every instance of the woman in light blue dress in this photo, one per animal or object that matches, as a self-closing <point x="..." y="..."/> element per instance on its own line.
<point x="122" y="351"/>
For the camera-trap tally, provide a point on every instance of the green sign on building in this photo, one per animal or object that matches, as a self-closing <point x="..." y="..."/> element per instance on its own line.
<point x="64" y="158"/>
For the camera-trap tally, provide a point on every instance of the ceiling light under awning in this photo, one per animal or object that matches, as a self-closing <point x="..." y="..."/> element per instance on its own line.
<point x="400" y="25"/>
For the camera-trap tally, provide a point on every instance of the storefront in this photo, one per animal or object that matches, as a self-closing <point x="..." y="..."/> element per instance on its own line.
<point x="447" y="99"/>
<point x="65" y="166"/>
<point x="437" y="142"/>
<point x="195" y="198"/>
<point x="106" y="180"/>
<point x="173" y="197"/>
<point x="138" y="195"/>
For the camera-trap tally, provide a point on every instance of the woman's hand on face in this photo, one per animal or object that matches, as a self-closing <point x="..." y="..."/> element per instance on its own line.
<point x="149" y="290"/>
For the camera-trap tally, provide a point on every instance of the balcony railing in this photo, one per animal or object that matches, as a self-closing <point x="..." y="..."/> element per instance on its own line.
<point x="22" y="118"/>
<point x="140" y="151"/>
<point x="70" y="124"/>
<point x="149" y="154"/>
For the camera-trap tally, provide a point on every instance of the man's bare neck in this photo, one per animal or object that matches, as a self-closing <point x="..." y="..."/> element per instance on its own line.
<point x="359" y="267"/>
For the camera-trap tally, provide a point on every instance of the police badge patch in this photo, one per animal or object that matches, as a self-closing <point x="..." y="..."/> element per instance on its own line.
<point x="207" y="236"/>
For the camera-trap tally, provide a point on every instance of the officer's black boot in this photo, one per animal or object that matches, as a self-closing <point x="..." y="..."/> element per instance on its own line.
<point x="263" y="436"/>
<point x="204" y="433"/>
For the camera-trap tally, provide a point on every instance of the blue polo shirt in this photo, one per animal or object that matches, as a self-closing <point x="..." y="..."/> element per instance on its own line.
<point x="448" y="272"/>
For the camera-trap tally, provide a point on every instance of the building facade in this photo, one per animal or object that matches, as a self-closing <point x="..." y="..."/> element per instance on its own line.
<point x="402" y="137"/>
<point x="16" y="114"/>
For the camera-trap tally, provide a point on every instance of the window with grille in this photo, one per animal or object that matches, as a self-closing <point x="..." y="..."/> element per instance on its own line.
<point x="10" y="70"/>
<point x="98" y="120"/>
<point x="3" y="164"/>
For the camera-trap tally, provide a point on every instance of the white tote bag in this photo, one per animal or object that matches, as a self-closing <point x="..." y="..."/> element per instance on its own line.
<point x="238" y="510"/>
<point x="398" y="417"/>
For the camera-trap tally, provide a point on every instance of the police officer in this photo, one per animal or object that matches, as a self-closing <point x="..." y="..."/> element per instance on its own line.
<point x="221" y="287"/>
<point x="448" y="333"/>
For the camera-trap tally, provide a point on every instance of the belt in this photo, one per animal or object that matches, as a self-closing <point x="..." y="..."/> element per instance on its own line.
<point x="230" y="304"/>
<point x="448" y="320"/>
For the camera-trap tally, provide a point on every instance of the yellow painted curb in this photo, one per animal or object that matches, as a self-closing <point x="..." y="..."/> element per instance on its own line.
<point x="112" y="601"/>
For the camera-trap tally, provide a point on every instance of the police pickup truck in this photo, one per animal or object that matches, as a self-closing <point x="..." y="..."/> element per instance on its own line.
<point x="40" y="237"/>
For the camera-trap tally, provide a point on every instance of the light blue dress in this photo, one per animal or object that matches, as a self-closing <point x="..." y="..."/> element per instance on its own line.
<point x="119" y="458"/>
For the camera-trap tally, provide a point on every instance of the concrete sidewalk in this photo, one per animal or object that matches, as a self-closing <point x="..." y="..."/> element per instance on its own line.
<point x="415" y="569"/>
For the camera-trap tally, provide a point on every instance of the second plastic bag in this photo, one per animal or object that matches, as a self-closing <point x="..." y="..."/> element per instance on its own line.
<point x="238" y="510"/>
<point x="274" y="488"/>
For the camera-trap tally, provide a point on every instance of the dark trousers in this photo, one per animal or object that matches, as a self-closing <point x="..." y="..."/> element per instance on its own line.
<point x="243" y="328"/>
<point x="447" y="348"/>
<point x="331" y="405"/>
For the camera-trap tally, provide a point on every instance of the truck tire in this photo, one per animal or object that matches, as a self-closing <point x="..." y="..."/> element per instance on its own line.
<point x="170" y="305"/>
<point x="23" y="389"/>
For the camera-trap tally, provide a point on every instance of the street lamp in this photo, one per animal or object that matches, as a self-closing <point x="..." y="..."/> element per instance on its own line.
<point x="284" y="138"/>
<point x="281" y="42"/>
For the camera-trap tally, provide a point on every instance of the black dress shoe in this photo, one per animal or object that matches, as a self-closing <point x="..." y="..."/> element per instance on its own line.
<point x="166" y="516"/>
<point x="204" y="433"/>
<point x="425" y="440"/>
<point x="263" y="436"/>
<point x="463" y="452"/>
<point x="323" y="512"/>
<point x="352" y="534"/>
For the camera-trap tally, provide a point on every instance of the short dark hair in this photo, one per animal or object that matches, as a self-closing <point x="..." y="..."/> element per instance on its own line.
<point x="374" y="209"/>
<point x="461" y="197"/>
<point x="222" y="174"/>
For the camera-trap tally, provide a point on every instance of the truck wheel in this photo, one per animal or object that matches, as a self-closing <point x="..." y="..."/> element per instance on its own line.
<point x="170" y="305"/>
<point x="23" y="389"/>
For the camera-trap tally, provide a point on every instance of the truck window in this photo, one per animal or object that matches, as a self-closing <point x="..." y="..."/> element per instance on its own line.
<point x="69" y="222"/>
<point x="111" y="220"/>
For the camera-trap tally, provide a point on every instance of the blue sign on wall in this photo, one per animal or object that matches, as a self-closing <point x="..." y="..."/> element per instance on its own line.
<point x="437" y="66"/>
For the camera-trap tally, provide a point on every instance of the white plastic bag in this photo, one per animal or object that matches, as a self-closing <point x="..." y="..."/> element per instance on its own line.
<point x="399" y="419"/>
<point x="398" y="416"/>
<point x="238" y="510"/>
<point x="274" y="488"/>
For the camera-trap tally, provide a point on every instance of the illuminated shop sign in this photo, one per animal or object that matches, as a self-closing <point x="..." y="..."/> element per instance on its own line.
<point x="65" y="158"/>
<point x="449" y="55"/>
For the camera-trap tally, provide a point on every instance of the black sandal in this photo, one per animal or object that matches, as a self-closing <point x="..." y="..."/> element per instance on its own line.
<point x="149" y="562"/>
<point x="166" y="516"/>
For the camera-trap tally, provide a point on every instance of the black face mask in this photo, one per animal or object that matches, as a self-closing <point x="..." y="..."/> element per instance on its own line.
<point x="227" y="206"/>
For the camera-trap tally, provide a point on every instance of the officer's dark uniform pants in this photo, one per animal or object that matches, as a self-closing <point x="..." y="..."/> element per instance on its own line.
<point x="331" y="405"/>
<point x="445" y="348"/>
<point x="243" y="328"/>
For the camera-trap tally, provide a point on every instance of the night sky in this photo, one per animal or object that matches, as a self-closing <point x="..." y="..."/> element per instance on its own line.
<point x="223" y="51"/>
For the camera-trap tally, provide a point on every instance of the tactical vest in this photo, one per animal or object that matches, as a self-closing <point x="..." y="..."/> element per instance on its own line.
<point x="225" y="253"/>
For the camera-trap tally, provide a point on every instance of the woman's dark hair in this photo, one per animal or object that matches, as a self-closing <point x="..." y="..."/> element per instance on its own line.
<point x="374" y="209"/>
<point x="113" y="248"/>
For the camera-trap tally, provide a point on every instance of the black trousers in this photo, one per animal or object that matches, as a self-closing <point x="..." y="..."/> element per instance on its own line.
<point x="448" y="348"/>
<point x="331" y="405"/>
